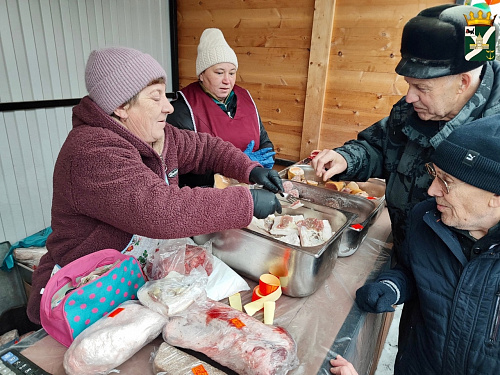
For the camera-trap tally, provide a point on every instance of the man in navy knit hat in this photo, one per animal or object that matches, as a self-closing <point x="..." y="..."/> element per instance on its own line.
<point x="450" y="261"/>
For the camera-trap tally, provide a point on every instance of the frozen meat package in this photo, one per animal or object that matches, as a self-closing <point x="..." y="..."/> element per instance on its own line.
<point x="233" y="339"/>
<point x="169" y="360"/>
<point x="113" y="339"/>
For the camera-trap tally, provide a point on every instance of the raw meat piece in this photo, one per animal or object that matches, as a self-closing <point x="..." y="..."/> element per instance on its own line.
<point x="287" y="186"/>
<point x="313" y="231"/>
<point x="292" y="239"/>
<point x="286" y="224"/>
<point x="170" y="361"/>
<point x="233" y="339"/>
<point x="113" y="339"/>
<point x="181" y="257"/>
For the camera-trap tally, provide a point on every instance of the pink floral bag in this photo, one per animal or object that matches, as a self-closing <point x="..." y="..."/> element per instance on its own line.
<point x="87" y="289"/>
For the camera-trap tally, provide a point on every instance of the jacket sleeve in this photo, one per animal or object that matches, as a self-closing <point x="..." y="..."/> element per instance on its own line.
<point x="264" y="137"/>
<point x="366" y="155"/>
<point x="401" y="274"/>
<point x="201" y="152"/>
<point x="131" y="197"/>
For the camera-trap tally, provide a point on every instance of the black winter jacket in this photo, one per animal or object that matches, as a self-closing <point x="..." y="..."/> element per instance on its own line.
<point x="397" y="147"/>
<point x="455" y="319"/>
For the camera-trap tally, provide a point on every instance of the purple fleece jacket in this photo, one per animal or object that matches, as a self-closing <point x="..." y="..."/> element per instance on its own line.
<point x="110" y="185"/>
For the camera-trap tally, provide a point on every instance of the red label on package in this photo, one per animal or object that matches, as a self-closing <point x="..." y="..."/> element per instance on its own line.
<point x="116" y="311"/>
<point x="237" y="323"/>
<point x="199" y="370"/>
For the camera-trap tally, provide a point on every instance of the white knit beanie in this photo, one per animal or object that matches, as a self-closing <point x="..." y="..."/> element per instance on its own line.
<point x="213" y="49"/>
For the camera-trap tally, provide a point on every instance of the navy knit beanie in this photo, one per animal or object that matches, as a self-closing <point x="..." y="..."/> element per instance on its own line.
<point x="471" y="153"/>
<point x="115" y="75"/>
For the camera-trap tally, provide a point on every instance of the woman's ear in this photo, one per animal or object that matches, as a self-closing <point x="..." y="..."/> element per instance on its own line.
<point x="121" y="112"/>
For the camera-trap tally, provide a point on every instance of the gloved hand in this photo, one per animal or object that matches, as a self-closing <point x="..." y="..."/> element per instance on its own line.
<point x="376" y="297"/>
<point x="268" y="178"/>
<point x="263" y="156"/>
<point x="265" y="203"/>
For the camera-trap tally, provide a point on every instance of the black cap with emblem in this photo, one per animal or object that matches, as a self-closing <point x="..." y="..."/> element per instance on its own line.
<point x="471" y="153"/>
<point x="433" y="42"/>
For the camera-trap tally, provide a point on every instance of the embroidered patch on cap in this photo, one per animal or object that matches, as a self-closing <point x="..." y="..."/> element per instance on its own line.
<point x="470" y="157"/>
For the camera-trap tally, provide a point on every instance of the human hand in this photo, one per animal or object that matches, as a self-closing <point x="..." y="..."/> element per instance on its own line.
<point x="376" y="297"/>
<point x="265" y="203"/>
<point x="328" y="163"/>
<point x="268" y="178"/>
<point x="263" y="156"/>
<point x="341" y="366"/>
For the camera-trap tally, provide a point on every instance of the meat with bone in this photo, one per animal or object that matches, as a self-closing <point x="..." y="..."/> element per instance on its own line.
<point x="233" y="338"/>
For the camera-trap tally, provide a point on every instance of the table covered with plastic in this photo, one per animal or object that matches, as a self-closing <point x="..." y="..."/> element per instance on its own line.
<point x="321" y="324"/>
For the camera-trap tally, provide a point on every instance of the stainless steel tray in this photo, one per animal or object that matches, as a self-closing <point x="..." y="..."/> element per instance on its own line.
<point x="366" y="209"/>
<point x="301" y="269"/>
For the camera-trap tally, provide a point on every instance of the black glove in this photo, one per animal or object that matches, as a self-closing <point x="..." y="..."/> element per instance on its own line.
<point x="265" y="203"/>
<point x="268" y="178"/>
<point x="376" y="297"/>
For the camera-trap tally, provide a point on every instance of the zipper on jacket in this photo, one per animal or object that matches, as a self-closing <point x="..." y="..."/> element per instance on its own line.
<point x="495" y="321"/>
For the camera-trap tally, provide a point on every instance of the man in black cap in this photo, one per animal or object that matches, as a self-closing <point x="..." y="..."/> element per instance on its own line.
<point x="450" y="261"/>
<point x="445" y="91"/>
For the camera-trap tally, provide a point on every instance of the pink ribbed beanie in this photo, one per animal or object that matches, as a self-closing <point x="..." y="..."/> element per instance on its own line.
<point x="115" y="75"/>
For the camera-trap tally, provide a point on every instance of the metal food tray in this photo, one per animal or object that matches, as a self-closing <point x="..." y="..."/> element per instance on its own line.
<point x="253" y="252"/>
<point x="366" y="209"/>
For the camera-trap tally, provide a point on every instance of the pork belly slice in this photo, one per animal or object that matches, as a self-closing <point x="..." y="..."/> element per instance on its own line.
<point x="285" y="225"/>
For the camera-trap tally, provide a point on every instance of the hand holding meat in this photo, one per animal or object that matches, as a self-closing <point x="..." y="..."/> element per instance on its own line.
<point x="265" y="203"/>
<point x="268" y="178"/>
<point x="328" y="163"/>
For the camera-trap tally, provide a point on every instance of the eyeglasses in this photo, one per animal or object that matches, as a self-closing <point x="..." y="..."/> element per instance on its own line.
<point x="433" y="174"/>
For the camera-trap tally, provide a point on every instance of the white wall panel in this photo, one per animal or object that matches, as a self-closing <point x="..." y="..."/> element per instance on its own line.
<point x="44" y="45"/>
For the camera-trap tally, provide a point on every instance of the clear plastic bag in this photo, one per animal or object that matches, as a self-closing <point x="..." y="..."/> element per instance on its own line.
<point x="179" y="255"/>
<point x="175" y="292"/>
<point x="113" y="339"/>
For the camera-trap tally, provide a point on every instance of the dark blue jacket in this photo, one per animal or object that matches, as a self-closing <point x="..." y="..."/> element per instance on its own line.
<point x="455" y="321"/>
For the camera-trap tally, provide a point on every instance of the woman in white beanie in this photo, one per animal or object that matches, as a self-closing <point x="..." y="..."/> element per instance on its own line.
<point x="116" y="176"/>
<point x="215" y="105"/>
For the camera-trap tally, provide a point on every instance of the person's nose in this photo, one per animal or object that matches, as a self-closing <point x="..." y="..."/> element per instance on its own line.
<point x="225" y="79"/>
<point x="411" y="96"/>
<point x="435" y="189"/>
<point x="167" y="106"/>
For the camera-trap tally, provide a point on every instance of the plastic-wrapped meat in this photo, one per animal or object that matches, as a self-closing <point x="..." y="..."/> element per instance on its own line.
<point x="233" y="338"/>
<point x="174" y="293"/>
<point x="169" y="360"/>
<point x="113" y="339"/>
<point x="179" y="256"/>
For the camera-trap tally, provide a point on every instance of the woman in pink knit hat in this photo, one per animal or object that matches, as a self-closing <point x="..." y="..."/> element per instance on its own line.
<point x="116" y="176"/>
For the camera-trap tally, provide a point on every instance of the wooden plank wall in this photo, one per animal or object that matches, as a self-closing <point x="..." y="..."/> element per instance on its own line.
<point x="280" y="46"/>
<point x="271" y="39"/>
